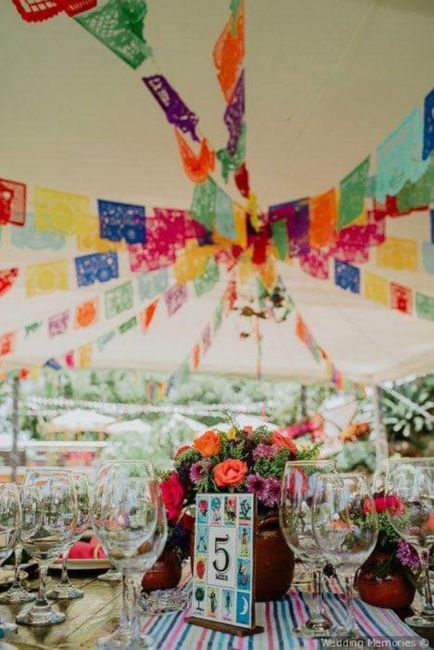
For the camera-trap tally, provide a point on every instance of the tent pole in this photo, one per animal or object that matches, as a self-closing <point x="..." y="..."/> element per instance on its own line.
<point x="15" y="426"/>
<point x="381" y="443"/>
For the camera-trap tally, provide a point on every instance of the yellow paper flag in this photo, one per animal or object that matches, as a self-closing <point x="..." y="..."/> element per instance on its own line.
<point x="85" y="355"/>
<point x="47" y="277"/>
<point x="398" y="254"/>
<point x="376" y="288"/>
<point x="60" y="212"/>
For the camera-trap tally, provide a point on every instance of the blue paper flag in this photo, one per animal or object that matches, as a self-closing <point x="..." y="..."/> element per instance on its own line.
<point x="347" y="276"/>
<point x="52" y="363"/>
<point x="122" y="221"/>
<point x="428" y="127"/>
<point x="100" y="267"/>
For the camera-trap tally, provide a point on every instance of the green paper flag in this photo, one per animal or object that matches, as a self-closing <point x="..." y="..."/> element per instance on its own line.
<point x="218" y="316"/>
<point x="225" y="215"/>
<point x="207" y="280"/>
<point x="31" y="328"/>
<point x="128" y="325"/>
<point x="416" y="195"/>
<point x="231" y="163"/>
<point x="280" y="237"/>
<point x="425" y="306"/>
<point x="204" y="202"/>
<point x="118" y="299"/>
<point x="119" y="25"/>
<point x="353" y="190"/>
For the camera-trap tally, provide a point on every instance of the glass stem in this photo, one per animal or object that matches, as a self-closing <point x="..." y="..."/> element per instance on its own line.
<point x="64" y="578"/>
<point x="18" y="555"/>
<point x="123" y="623"/>
<point x="428" y="607"/>
<point x="317" y="594"/>
<point x="133" y="589"/>
<point x="41" y="600"/>
<point x="350" y="622"/>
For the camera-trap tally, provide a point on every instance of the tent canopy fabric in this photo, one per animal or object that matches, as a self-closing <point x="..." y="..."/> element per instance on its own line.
<point x="326" y="82"/>
<point x="78" y="421"/>
<point x="128" y="426"/>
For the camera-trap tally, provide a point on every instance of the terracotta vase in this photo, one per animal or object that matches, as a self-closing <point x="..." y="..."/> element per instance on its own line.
<point x="394" y="591"/>
<point x="165" y="574"/>
<point x="274" y="561"/>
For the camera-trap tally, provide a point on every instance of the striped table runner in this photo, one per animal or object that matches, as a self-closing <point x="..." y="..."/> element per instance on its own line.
<point x="170" y="632"/>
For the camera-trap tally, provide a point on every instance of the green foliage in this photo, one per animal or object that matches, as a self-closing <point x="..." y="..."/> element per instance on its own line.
<point x="356" y="455"/>
<point x="402" y="421"/>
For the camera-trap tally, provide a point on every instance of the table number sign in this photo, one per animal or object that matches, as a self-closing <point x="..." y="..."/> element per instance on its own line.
<point x="223" y="595"/>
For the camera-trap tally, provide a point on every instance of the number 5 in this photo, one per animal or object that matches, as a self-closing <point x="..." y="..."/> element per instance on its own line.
<point x="222" y="552"/>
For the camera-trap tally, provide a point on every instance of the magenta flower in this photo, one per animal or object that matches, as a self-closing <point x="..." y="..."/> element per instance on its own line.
<point x="272" y="492"/>
<point x="265" y="451"/>
<point x="257" y="485"/>
<point x="407" y="555"/>
<point x="199" y="470"/>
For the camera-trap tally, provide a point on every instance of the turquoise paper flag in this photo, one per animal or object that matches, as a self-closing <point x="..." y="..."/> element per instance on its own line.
<point x="209" y="279"/>
<point x="425" y="306"/>
<point x="399" y="157"/>
<point x="225" y="215"/>
<point x="203" y="205"/>
<point x="280" y="237"/>
<point x="353" y="190"/>
<point x="428" y="256"/>
<point x="152" y="284"/>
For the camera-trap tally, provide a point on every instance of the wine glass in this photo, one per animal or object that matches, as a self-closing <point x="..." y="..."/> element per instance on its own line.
<point x="64" y="590"/>
<point x="345" y="526"/>
<point x="298" y="485"/>
<point x="410" y="511"/>
<point x="49" y="508"/>
<point x="128" y="517"/>
<point x="17" y="592"/>
<point x="10" y="522"/>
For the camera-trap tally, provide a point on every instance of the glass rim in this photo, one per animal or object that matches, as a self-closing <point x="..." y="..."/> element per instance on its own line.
<point x="419" y="459"/>
<point x="319" y="461"/>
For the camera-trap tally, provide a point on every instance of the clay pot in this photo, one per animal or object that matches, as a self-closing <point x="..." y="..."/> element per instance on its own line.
<point x="274" y="561"/>
<point x="394" y="591"/>
<point x="165" y="574"/>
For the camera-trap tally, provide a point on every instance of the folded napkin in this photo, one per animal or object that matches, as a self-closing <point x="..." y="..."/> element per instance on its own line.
<point x="87" y="551"/>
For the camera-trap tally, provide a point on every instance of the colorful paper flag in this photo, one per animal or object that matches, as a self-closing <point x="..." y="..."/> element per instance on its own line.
<point x="316" y="263"/>
<point x="428" y="256"/>
<point x="7" y="343"/>
<point x="234" y="115"/>
<point x="88" y="239"/>
<point x="34" y="11"/>
<point x="376" y="288"/>
<point x="323" y="218"/>
<point x="152" y="284"/>
<point x="69" y="359"/>
<point x="196" y="166"/>
<point x="196" y="356"/>
<point x="119" y="299"/>
<point x="206" y="339"/>
<point x="218" y="316"/>
<point x="12" y="202"/>
<point x="347" y="276"/>
<point x="32" y="328"/>
<point x="428" y="130"/>
<point x="85" y="355"/>
<point x="418" y="195"/>
<point x="47" y="277"/>
<point x="399" y="254"/>
<point x="177" y="113"/>
<point x="280" y="237"/>
<point x="234" y="162"/>
<point x="122" y="221"/>
<point x="7" y="279"/>
<point x="148" y="314"/>
<point x="99" y="267"/>
<point x="60" y="212"/>
<point x="224" y="215"/>
<point x="166" y="233"/>
<point x="203" y="205"/>
<point x="401" y="298"/>
<point x="399" y="157"/>
<point x="353" y="190"/>
<point x="128" y="325"/>
<point x="58" y="324"/>
<point x="105" y="339"/>
<point x="175" y="297"/>
<point x="29" y="237"/>
<point x="87" y="313"/>
<point x="208" y="280"/>
<point x="425" y="306"/>
<point x="119" y="26"/>
<point x="228" y="53"/>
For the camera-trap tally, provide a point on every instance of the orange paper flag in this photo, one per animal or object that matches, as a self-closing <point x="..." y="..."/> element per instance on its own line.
<point x="228" y="53"/>
<point x="323" y="216"/>
<point x="148" y="314"/>
<point x="197" y="167"/>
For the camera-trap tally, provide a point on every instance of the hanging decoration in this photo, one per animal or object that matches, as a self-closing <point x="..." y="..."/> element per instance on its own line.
<point x="235" y="163"/>
<point x="7" y="279"/>
<point x="197" y="167"/>
<point x="228" y="53"/>
<point x="128" y="325"/>
<point x="401" y="298"/>
<point x="428" y="256"/>
<point x="347" y="276"/>
<point x="147" y="315"/>
<point x="12" y="202"/>
<point x="177" y="113"/>
<point x="29" y="237"/>
<point x="47" y="277"/>
<point x="122" y="221"/>
<point x="352" y="192"/>
<point x="119" y="25"/>
<point x="428" y="132"/>
<point x="152" y="284"/>
<point x="425" y="306"/>
<point x="118" y="299"/>
<point x="59" y="212"/>
<point x="224" y="215"/>
<point x="35" y="11"/>
<point x="323" y="218"/>
<point x="58" y="324"/>
<point x="166" y="234"/>
<point x="88" y="239"/>
<point x="376" y="288"/>
<point x="234" y="115"/>
<point x="207" y="281"/>
<point x="87" y="313"/>
<point x="7" y="343"/>
<point x="398" y="254"/>
<point x="203" y="205"/>
<point x="175" y="297"/>
<point x="100" y="267"/>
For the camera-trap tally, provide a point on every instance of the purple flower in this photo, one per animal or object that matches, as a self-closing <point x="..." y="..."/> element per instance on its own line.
<point x="272" y="492"/>
<point x="199" y="470"/>
<point x="256" y="484"/>
<point x="265" y="451"/>
<point x="407" y="555"/>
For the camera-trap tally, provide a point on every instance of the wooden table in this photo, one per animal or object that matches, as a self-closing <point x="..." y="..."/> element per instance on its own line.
<point x="87" y="618"/>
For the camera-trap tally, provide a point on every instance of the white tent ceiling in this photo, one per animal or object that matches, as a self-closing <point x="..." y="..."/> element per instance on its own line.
<point x="326" y="82"/>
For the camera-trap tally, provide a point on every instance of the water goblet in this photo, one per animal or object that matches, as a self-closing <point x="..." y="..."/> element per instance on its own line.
<point x="129" y="519"/>
<point x="345" y="526"/>
<point x="410" y="511"/>
<point x="49" y="511"/>
<point x="64" y="590"/>
<point x="10" y="522"/>
<point x="298" y="485"/>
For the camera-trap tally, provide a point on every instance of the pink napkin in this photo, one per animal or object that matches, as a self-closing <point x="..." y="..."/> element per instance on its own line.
<point x="87" y="551"/>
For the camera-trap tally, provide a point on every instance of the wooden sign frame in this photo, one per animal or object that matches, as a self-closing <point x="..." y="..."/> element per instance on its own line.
<point x="224" y="563"/>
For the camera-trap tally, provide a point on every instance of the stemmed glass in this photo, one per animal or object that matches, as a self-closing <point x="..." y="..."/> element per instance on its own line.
<point x="64" y="590"/>
<point x="49" y="509"/>
<point x="129" y="519"/>
<point x="298" y="485"/>
<point x="10" y="522"/>
<point x="410" y="510"/>
<point x="17" y="593"/>
<point x="345" y="526"/>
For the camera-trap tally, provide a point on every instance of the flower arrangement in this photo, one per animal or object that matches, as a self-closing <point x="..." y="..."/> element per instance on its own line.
<point x="239" y="460"/>
<point x="391" y="552"/>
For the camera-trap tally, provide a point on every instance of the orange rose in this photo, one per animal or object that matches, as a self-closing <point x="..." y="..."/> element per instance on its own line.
<point x="230" y="472"/>
<point x="282" y="440"/>
<point x="208" y="444"/>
